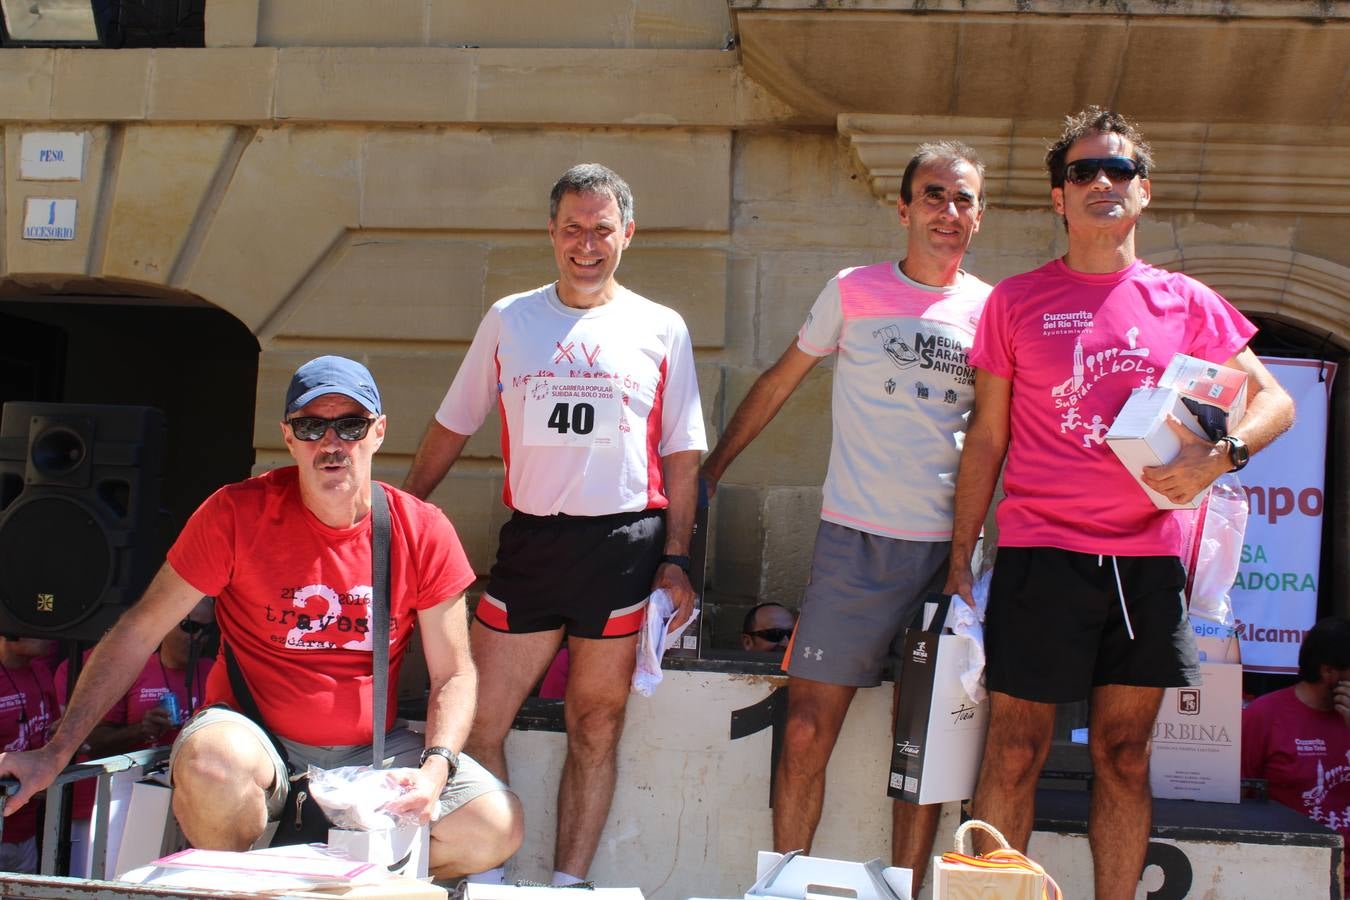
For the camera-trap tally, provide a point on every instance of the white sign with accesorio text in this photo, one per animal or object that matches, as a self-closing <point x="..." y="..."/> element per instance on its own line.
<point x="49" y="219"/>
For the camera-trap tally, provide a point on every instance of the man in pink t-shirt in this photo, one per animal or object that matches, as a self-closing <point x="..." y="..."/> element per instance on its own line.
<point x="1298" y="738"/>
<point x="1086" y="598"/>
<point x="288" y="555"/>
<point x="902" y="391"/>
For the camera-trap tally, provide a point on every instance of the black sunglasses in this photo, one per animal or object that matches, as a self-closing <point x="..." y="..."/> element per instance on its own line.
<point x="192" y="626"/>
<point x="772" y="635"/>
<point x="1117" y="168"/>
<point x="313" y="428"/>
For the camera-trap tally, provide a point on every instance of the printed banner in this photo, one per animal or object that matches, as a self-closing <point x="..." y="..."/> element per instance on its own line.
<point x="1275" y="594"/>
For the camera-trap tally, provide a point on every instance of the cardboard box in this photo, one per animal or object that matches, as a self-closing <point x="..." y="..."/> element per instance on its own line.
<point x="939" y="729"/>
<point x="509" y="892"/>
<point x="402" y="850"/>
<point x="1141" y="437"/>
<point x="152" y="831"/>
<point x="793" y="876"/>
<point x="1210" y="384"/>
<point x="1197" y="737"/>
<point x="1208" y="398"/>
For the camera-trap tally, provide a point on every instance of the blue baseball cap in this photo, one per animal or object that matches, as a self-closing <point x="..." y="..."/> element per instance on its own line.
<point x="332" y="375"/>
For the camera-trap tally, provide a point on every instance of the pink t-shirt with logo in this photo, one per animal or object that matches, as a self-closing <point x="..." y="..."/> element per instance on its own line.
<point x="1074" y="345"/>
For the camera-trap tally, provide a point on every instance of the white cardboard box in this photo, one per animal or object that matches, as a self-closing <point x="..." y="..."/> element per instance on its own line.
<point x="1140" y="437"/>
<point x="1209" y="383"/>
<point x="508" y="892"/>
<point x="793" y="876"/>
<point x="402" y="850"/>
<point x="1197" y="737"/>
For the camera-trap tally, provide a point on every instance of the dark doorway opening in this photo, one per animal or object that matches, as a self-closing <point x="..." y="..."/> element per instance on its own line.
<point x="198" y="364"/>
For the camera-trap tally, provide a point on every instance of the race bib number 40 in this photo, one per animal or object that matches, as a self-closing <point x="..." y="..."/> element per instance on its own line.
<point x="572" y="412"/>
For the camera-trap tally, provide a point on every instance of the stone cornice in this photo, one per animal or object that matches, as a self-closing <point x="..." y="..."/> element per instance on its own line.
<point x="1269" y="169"/>
<point x="1307" y="10"/>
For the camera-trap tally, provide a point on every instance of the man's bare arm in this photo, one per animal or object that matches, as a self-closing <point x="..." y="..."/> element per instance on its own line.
<point x="450" y="703"/>
<point x="768" y="394"/>
<point x="1270" y="412"/>
<point x="109" y="672"/>
<point x="438" y="451"/>
<point x="982" y="455"/>
<point x="681" y="476"/>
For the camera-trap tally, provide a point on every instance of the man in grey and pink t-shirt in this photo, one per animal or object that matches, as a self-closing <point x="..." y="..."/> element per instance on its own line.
<point x="1086" y="600"/>
<point x="902" y="393"/>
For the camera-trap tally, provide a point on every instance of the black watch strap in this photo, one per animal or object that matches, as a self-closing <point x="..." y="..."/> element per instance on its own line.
<point x="450" y="756"/>
<point x="1238" y="454"/>
<point x="676" y="559"/>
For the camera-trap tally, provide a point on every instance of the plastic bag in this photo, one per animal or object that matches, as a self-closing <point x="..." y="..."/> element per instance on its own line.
<point x="968" y="623"/>
<point x="653" y="640"/>
<point x="1219" y="551"/>
<point x="353" y="796"/>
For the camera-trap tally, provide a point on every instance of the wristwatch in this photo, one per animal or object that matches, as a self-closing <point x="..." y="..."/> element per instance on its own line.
<point x="676" y="559"/>
<point x="1238" y="454"/>
<point x="450" y="756"/>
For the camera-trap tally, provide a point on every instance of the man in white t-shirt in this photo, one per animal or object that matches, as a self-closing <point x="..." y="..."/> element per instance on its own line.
<point x="602" y="431"/>
<point x="902" y="392"/>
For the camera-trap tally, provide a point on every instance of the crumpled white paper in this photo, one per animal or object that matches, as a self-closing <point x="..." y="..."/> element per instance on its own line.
<point x="969" y="624"/>
<point x="653" y="641"/>
<point x="352" y="796"/>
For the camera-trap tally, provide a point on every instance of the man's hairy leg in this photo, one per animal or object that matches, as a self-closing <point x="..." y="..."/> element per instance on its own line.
<point x="509" y="666"/>
<point x="1014" y="752"/>
<point x="1120" y="727"/>
<point x="816" y="712"/>
<point x="221" y="775"/>
<point x="598" y="679"/>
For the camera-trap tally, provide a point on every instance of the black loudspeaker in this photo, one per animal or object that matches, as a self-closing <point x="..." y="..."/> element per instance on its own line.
<point x="79" y="515"/>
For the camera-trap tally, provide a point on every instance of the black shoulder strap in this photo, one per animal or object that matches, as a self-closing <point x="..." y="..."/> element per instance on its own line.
<point x="243" y="698"/>
<point x="379" y="635"/>
<point x="379" y="602"/>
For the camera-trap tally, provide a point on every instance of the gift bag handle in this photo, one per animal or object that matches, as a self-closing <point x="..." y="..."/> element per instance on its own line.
<point x="960" y="838"/>
<point x="939" y="621"/>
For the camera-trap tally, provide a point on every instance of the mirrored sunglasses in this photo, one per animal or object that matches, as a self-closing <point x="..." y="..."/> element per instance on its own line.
<point x="1117" y="168"/>
<point x="312" y="428"/>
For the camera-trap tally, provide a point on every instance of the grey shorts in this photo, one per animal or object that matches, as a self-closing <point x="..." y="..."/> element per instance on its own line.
<point x="863" y="593"/>
<point x="402" y="747"/>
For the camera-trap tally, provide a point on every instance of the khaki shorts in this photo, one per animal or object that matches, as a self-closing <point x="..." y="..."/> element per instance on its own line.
<point x="402" y="747"/>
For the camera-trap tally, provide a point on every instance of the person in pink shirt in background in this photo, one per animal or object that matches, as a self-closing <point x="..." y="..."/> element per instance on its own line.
<point x="141" y="719"/>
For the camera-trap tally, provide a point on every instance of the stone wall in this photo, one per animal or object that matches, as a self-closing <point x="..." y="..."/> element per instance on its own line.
<point x="373" y="200"/>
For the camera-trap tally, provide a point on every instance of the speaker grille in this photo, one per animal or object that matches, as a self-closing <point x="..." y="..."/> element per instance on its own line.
<point x="44" y="587"/>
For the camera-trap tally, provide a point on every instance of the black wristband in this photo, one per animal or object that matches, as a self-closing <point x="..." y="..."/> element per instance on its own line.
<point x="451" y="759"/>
<point x="676" y="559"/>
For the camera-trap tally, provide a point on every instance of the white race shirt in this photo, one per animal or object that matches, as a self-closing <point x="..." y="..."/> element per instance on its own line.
<point x="903" y="390"/>
<point x="591" y="399"/>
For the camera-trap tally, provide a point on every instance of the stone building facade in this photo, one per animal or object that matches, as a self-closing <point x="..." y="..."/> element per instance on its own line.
<point x="366" y="176"/>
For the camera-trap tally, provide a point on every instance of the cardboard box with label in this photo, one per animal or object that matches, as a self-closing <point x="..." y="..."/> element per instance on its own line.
<point x="1197" y="737"/>
<point x="401" y="850"/>
<point x="1204" y="396"/>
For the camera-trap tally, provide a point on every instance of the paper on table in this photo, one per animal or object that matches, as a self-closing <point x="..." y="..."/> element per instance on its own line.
<point x="312" y="864"/>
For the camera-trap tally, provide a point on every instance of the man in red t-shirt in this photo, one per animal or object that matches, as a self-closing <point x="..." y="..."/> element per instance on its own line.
<point x="1298" y="738"/>
<point x="288" y="555"/>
